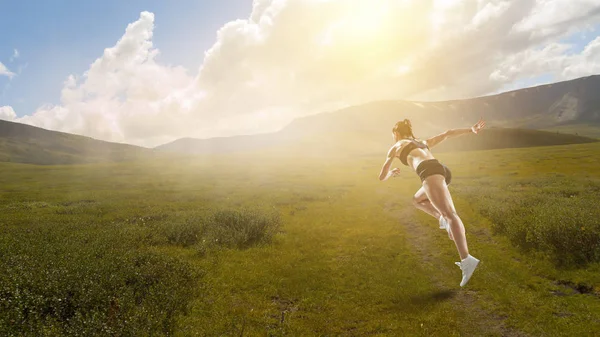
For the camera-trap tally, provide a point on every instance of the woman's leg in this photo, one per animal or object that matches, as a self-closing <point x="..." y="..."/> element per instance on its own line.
<point x="421" y="202"/>
<point x="439" y="196"/>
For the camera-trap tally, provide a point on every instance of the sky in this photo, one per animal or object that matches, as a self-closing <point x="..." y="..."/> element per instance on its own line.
<point x="150" y="72"/>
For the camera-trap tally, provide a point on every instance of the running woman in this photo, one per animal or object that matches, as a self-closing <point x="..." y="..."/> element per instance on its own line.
<point x="433" y="197"/>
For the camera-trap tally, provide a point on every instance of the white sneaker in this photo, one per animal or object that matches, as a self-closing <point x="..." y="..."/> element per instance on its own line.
<point x="467" y="266"/>
<point x="443" y="223"/>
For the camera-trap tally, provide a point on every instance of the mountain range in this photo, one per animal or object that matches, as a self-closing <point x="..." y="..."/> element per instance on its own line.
<point x="570" y="107"/>
<point x="552" y="114"/>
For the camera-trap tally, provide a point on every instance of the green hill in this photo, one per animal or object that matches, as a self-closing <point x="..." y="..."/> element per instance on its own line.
<point x="22" y="143"/>
<point x="368" y="143"/>
<point x="587" y="130"/>
<point x="499" y="138"/>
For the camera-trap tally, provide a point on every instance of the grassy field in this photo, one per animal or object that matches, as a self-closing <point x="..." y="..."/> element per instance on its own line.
<point x="300" y="246"/>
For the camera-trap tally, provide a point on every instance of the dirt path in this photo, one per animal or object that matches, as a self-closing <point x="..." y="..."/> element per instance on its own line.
<point x="447" y="277"/>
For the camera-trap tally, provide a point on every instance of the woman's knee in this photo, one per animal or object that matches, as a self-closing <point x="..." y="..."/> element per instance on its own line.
<point x="449" y="213"/>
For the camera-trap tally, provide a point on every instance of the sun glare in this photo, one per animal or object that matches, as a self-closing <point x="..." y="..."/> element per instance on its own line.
<point x="403" y="69"/>
<point x="364" y="20"/>
<point x="367" y="21"/>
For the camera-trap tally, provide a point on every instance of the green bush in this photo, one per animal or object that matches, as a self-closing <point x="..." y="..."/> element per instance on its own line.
<point x="558" y="216"/>
<point x="81" y="284"/>
<point x="185" y="233"/>
<point x="241" y="228"/>
<point x="64" y="276"/>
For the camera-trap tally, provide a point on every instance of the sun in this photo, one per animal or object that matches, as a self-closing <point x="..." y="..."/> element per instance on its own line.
<point x="364" y="20"/>
<point x="367" y="21"/>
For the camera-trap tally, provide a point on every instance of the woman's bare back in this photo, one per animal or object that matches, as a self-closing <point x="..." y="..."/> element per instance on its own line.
<point x="415" y="156"/>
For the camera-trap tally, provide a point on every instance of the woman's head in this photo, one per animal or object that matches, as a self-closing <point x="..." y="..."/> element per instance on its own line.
<point x="402" y="130"/>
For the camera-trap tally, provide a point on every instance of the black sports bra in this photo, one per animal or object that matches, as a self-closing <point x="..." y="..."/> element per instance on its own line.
<point x="411" y="146"/>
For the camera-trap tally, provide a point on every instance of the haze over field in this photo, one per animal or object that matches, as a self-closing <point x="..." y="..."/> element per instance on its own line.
<point x="287" y="59"/>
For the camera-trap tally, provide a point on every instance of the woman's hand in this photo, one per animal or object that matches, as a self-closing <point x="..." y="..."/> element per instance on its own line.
<point x="392" y="173"/>
<point x="475" y="128"/>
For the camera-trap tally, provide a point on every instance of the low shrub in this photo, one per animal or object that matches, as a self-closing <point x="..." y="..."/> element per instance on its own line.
<point x="183" y="232"/>
<point x="59" y="284"/>
<point x="558" y="216"/>
<point x="241" y="228"/>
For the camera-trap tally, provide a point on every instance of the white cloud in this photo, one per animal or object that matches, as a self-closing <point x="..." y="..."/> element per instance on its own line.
<point x="15" y="55"/>
<point x="7" y="113"/>
<point x="489" y="12"/>
<point x="5" y="72"/>
<point x="559" y="17"/>
<point x="124" y="96"/>
<point x="532" y="62"/>
<point x="588" y="62"/>
<point x="554" y="58"/>
<point x="296" y="57"/>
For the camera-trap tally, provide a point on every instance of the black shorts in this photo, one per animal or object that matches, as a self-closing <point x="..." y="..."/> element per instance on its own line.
<point x="431" y="167"/>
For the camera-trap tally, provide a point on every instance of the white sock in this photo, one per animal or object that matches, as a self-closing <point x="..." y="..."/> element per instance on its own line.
<point x="468" y="256"/>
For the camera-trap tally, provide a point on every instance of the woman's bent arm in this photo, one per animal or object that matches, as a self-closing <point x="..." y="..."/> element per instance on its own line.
<point x="385" y="170"/>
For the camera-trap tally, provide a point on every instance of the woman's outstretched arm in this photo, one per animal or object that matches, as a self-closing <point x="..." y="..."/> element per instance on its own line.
<point x="385" y="170"/>
<point x="433" y="141"/>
